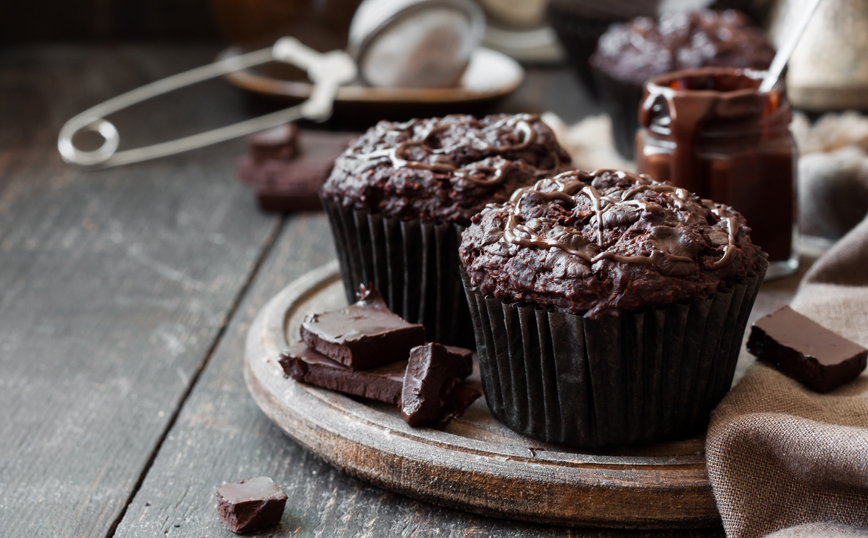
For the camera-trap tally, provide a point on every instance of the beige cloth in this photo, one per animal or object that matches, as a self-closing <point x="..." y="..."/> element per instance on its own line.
<point x="783" y="459"/>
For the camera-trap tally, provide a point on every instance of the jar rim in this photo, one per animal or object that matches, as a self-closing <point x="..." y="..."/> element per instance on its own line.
<point x="662" y="85"/>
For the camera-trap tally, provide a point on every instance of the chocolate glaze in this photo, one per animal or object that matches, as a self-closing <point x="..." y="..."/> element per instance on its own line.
<point x="430" y="382"/>
<point x="597" y="243"/>
<point x="250" y="504"/>
<point x="806" y="351"/>
<point x="645" y="48"/>
<point x="443" y="169"/>
<point x="362" y="335"/>
<point x="711" y="132"/>
<point x="568" y="183"/>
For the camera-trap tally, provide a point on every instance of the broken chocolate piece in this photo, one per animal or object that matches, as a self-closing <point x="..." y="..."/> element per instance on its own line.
<point x="456" y="405"/>
<point x="382" y="383"/>
<point x="806" y="351"/>
<point x="465" y="360"/>
<point x="430" y="386"/>
<point x="292" y="187"/>
<point x="279" y="142"/>
<point x="283" y="183"/>
<point x="250" y="504"/>
<point x="362" y="335"/>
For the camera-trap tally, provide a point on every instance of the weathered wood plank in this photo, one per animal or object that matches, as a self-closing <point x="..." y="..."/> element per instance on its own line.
<point x="113" y="285"/>
<point x="221" y="435"/>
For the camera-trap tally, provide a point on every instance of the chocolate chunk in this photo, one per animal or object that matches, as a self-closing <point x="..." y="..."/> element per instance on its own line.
<point x="279" y="142"/>
<point x="431" y="386"/>
<point x="283" y="187"/>
<point x="362" y="335"/>
<point x="382" y="383"/>
<point x="285" y="184"/>
<point x="806" y="351"/>
<point x="464" y="360"/>
<point x="250" y="504"/>
<point x="456" y="405"/>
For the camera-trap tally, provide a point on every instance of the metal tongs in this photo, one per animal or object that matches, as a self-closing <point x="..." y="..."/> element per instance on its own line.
<point x="327" y="71"/>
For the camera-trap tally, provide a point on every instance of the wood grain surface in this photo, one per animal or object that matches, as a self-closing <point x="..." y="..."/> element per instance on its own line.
<point x="125" y="296"/>
<point x="477" y="464"/>
<point x="114" y="287"/>
<point x="221" y="435"/>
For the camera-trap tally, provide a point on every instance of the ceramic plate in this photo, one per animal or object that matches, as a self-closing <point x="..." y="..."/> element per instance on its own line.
<point x="490" y="76"/>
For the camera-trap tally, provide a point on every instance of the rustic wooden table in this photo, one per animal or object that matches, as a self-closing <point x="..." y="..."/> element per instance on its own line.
<point x="125" y="296"/>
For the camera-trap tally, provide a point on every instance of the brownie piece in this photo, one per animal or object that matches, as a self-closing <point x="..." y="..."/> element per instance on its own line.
<point x="285" y="184"/>
<point x="362" y="335"/>
<point x="290" y="186"/>
<point x="251" y="504"/>
<point x="430" y="382"/>
<point x="443" y="169"/>
<point x="382" y="383"/>
<point x="806" y="351"/>
<point x="279" y="142"/>
<point x="599" y="243"/>
<point x="645" y="48"/>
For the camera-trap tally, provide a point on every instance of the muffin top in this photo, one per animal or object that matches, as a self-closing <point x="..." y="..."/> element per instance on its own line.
<point x="598" y="243"/>
<point x="644" y="48"/>
<point x="443" y="169"/>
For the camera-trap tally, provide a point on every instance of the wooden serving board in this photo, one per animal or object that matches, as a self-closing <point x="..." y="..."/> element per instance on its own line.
<point x="478" y="464"/>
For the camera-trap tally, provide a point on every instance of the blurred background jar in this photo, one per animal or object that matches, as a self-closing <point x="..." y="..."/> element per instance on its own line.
<point x="711" y="132"/>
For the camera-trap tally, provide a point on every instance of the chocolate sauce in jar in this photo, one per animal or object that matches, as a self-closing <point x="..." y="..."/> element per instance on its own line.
<point x="712" y="132"/>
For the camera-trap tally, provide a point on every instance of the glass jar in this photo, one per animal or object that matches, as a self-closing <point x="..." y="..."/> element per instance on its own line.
<point x="712" y="132"/>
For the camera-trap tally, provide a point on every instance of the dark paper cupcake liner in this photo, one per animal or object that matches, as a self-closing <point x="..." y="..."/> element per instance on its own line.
<point x="621" y="100"/>
<point x="414" y="264"/>
<point x="646" y="376"/>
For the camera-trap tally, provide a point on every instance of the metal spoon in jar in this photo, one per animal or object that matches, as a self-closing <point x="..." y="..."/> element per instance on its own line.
<point x="789" y="45"/>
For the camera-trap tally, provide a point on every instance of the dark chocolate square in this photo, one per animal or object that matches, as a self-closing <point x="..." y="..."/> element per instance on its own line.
<point x="251" y="504"/>
<point x="805" y="350"/>
<point x="382" y="383"/>
<point x="362" y="335"/>
<point x="432" y="388"/>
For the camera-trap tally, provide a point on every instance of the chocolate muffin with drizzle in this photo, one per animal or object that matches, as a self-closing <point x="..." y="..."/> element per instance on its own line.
<point x="400" y="195"/>
<point x="608" y="308"/>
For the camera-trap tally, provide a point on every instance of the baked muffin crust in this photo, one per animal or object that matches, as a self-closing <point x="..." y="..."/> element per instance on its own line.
<point x="599" y="243"/>
<point x="443" y="169"/>
<point x="645" y="48"/>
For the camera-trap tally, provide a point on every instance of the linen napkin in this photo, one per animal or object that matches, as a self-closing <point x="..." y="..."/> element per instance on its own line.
<point x="783" y="459"/>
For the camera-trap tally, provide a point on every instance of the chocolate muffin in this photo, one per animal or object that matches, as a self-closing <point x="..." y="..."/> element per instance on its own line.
<point x="400" y="195"/>
<point x="629" y="54"/>
<point x="608" y="308"/>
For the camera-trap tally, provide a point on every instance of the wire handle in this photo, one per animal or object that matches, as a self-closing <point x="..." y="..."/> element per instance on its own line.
<point x="327" y="71"/>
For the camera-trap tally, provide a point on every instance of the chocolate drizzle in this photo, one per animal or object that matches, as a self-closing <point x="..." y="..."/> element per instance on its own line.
<point x="602" y="243"/>
<point x="569" y="186"/>
<point x="479" y="174"/>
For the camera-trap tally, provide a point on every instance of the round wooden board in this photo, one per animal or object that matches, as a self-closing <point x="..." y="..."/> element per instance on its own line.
<point x="478" y="464"/>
